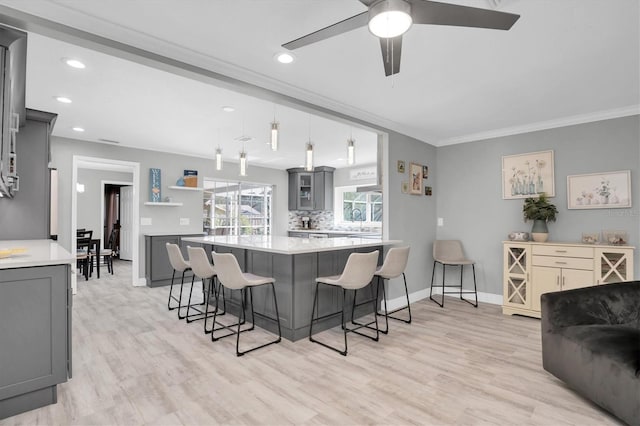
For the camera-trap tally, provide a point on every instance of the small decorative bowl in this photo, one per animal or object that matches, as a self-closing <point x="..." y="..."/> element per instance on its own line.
<point x="518" y="236"/>
<point x="590" y="238"/>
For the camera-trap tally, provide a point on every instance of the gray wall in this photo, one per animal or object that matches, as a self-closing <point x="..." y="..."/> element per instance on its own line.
<point x="469" y="191"/>
<point x="164" y="219"/>
<point x="90" y="200"/>
<point x="412" y="218"/>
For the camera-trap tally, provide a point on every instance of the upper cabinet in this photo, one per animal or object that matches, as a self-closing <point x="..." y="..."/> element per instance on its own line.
<point x="311" y="190"/>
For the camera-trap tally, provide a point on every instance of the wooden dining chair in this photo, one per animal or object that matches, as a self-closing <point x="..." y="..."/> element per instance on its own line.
<point x="83" y="254"/>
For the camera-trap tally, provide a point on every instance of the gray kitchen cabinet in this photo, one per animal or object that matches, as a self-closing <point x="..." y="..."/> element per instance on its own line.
<point x="311" y="190"/>
<point x="35" y="336"/>
<point x="158" y="269"/>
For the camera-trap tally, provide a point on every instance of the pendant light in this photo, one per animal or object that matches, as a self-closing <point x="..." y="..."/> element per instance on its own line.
<point x="243" y="163"/>
<point x="308" y="165"/>
<point x="351" y="151"/>
<point x="275" y="129"/>
<point x="218" y="159"/>
<point x="308" y="162"/>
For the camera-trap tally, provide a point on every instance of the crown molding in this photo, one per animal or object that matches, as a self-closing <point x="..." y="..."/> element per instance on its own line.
<point x="544" y="125"/>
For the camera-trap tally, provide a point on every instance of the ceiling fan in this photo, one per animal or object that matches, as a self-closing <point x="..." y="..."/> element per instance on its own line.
<point x="390" y="19"/>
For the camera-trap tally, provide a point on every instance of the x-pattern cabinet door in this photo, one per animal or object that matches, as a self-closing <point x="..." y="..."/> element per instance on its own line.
<point x="614" y="264"/>
<point x="517" y="272"/>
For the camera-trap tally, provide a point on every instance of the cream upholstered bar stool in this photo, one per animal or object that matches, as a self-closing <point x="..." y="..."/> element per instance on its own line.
<point x="180" y="265"/>
<point x="202" y="269"/>
<point x="231" y="277"/>
<point x="450" y="253"/>
<point x="395" y="262"/>
<point x="357" y="273"/>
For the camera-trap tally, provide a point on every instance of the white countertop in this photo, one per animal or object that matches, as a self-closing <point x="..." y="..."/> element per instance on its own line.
<point x="290" y="245"/>
<point x="38" y="253"/>
<point x="168" y="234"/>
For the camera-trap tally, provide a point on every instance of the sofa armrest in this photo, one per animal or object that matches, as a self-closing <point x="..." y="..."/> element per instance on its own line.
<point x="617" y="303"/>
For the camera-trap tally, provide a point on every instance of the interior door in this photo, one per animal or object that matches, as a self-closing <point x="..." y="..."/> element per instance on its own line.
<point x="126" y="222"/>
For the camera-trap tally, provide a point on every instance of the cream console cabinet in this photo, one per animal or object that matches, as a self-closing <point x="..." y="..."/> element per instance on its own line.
<point x="531" y="269"/>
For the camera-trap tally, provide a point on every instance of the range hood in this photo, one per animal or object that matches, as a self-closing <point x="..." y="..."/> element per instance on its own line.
<point x="378" y="185"/>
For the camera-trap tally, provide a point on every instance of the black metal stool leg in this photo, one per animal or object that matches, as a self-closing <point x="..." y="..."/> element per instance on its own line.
<point x="171" y="292"/>
<point x="430" y="292"/>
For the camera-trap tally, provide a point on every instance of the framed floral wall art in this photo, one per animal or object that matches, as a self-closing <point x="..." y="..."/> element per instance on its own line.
<point x="611" y="190"/>
<point x="415" y="179"/>
<point x="528" y="175"/>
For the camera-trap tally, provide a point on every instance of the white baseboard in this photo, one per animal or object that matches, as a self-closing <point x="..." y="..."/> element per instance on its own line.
<point x="142" y="281"/>
<point x="399" y="302"/>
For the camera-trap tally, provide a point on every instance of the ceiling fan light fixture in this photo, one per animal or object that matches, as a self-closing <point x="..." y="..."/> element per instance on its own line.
<point x="390" y="18"/>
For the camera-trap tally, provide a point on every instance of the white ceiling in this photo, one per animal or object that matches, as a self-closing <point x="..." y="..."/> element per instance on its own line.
<point x="564" y="61"/>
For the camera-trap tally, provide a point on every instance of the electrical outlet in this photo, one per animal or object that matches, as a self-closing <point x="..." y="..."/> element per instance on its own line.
<point x="440" y="221"/>
<point x="184" y="221"/>
<point x="145" y="221"/>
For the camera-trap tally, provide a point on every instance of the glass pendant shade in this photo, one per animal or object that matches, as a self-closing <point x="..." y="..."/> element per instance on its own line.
<point x="308" y="165"/>
<point x="351" y="151"/>
<point x="275" y="129"/>
<point x="390" y="18"/>
<point x="218" y="159"/>
<point x="243" y="163"/>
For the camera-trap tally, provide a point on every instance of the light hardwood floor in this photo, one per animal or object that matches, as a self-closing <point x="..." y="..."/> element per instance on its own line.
<point x="135" y="363"/>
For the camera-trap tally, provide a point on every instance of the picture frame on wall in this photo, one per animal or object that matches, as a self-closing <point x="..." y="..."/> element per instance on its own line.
<point x="400" y="166"/>
<point x="528" y="175"/>
<point x="425" y="172"/>
<point x="405" y="187"/>
<point x="428" y="191"/>
<point x="609" y="190"/>
<point x="415" y="179"/>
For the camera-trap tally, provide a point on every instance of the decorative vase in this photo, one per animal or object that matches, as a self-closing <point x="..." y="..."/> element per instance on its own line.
<point x="539" y="231"/>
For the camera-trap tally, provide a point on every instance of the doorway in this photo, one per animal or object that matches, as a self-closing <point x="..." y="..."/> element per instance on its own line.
<point x="92" y="163"/>
<point x="116" y="211"/>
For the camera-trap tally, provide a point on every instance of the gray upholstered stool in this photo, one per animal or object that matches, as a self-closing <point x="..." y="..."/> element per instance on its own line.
<point x="450" y="253"/>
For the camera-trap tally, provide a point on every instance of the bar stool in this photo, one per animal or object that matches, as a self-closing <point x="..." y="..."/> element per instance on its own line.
<point x="231" y="276"/>
<point x="449" y="252"/>
<point x="357" y="273"/>
<point x="179" y="264"/>
<point x="205" y="271"/>
<point x="393" y="266"/>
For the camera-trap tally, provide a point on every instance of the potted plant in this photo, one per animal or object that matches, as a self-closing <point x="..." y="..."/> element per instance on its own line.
<point x="541" y="211"/>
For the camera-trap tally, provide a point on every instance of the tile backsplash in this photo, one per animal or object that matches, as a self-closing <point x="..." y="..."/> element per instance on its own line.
<point x="323" y="220"/>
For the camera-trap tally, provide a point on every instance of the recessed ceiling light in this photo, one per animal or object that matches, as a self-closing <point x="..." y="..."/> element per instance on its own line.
<point x="228" y="108"/>
<point x="74" y="63"/>
<point x="77" y="129"/>
<point x="284" y="57"/>
<point x="63" y="99"/>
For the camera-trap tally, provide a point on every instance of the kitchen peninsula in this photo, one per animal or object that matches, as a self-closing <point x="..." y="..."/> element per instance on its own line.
<point x="295" y="263"/>
<point x="35" y="323"/>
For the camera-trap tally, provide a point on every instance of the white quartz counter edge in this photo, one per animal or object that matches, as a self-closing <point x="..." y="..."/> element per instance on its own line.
<point x="38" y="253"/>
<point x="291" y="245"/>
<point x="168" y="234"/>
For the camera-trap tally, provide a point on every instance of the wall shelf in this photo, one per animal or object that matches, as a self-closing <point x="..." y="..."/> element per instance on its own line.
<point x="186" y="188"/>
<point x="150" y="203"/>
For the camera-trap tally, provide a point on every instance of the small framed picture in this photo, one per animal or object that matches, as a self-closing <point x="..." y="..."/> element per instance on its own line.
<point x="415" y="174"/>
<point x="405" y="187"/>
<point x="400" y="166"/>
<point x="425" y="172"/>
<point x="428" y="191"/>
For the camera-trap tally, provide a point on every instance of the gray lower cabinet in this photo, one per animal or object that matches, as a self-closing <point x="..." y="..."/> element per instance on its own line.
<point x="35" y="336"/>
<point x="158" y="270"/>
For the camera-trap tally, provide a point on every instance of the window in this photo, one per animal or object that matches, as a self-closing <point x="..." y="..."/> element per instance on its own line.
<point x="357" y="207"/>
<point x="237" y="208"/>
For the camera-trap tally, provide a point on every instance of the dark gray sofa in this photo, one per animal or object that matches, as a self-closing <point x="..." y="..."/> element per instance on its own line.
<point x="591" y="341"/>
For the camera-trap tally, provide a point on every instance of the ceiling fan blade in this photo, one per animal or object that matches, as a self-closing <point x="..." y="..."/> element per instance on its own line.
<point x="435" y="13"/>
<point x="348" y="24"/>
<point x="367" y="2"/>
<point x="391" y="51"/>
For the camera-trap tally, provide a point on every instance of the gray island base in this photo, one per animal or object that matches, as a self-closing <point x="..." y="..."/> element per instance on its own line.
<point x="295" y="264"/>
